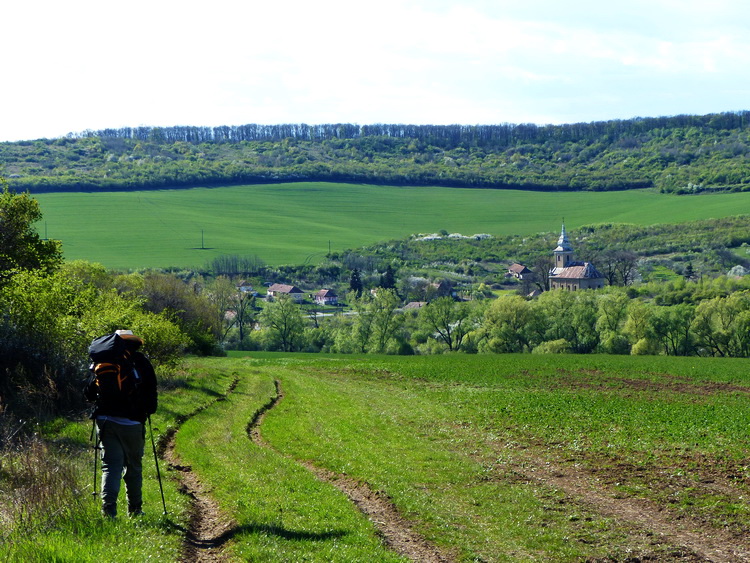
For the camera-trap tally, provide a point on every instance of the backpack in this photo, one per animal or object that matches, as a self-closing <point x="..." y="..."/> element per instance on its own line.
<point x="115" y="379"/>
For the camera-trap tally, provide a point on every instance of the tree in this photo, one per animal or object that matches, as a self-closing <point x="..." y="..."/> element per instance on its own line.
<point x="720" y="326"/>
<point x="672" y="328"/>
<point x="388" y="279"/>
<point x="283" y="318"/>
<point x="447" y="320"/>
<point x="385" y="322"/>
<point x="541" y="266"/>
<point x="618" y="266"/>
<point x="613" y="308"/>
<point x="689" y="272"/>
<point x="507" y="325"/>
<point x="355" y="283"/>
<point x="639" y="329"/>
<point x="356" y="337"/>
<point x="21" y="248"/>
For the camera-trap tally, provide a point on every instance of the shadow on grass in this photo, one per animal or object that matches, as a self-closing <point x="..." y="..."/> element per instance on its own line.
<point x="262" y="529"/>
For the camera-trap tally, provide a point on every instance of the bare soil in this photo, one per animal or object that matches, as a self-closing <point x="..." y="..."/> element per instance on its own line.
<point x="690" y="539"/>
<point x="208" y="527"/>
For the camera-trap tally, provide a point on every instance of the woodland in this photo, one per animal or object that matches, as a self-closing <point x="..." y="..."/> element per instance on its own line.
<point x="680" y="154"/>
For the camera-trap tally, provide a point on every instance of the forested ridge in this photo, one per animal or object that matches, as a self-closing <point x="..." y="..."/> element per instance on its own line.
<point x="678" y="154"/>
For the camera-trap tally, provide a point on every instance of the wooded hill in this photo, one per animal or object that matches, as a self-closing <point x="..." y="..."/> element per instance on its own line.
<point x="679" y="154"/>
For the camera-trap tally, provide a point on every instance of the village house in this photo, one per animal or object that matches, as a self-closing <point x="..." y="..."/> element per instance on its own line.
<point x="520" y="272"/>
<point x="246" y="287"/>
<point x="326" y="297"/>
<point x="569" y="274"/>
<point x="278" y="289"/>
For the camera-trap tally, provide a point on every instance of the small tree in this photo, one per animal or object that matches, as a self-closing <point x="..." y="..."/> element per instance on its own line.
<point x="355" y="283"/>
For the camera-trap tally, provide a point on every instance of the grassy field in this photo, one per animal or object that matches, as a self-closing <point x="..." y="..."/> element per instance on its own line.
<point x="487" y="458"/>
<point x="296" y="223"/>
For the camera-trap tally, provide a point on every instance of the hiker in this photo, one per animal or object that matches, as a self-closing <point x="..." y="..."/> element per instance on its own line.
<point x="123" y="386"/>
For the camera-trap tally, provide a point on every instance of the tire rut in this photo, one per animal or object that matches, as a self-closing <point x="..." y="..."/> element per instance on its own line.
<point x="707" y="544"/>
<point x="396" y="531"/>
<point x="209" y="529"/>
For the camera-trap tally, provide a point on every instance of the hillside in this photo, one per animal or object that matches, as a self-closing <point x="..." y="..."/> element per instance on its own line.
<point x="680" y="154"/>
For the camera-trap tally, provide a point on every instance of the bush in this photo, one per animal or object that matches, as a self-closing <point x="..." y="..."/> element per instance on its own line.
<point x="560" y="346"/>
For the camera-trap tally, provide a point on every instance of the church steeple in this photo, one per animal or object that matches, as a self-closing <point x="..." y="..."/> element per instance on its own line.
<point x="564" y="252"/>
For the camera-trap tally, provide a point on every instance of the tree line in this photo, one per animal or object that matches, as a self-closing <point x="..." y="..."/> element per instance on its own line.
<point x="444" y="136"/>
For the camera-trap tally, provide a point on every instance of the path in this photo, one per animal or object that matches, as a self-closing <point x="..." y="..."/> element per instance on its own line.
<point x="397" y="532"/>
<point x="208" y="528"/>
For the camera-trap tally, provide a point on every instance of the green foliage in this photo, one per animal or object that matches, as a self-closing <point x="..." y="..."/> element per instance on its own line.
<point x="680" y="154"/>
<point x="283" y="320"/>
<point x="21" y="248"/>
<point x="448" y="321"/>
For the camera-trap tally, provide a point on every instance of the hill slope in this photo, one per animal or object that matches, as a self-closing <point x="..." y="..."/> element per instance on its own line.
<point x="682" y="154"/>
<point x="301" y="222"/>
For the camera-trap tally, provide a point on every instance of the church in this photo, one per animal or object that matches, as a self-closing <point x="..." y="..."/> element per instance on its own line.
<point x="571" y="275"/>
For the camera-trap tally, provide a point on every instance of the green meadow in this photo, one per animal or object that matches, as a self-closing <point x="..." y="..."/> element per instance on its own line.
<point x="489" y="458"/>
<point x="299" y="222"/>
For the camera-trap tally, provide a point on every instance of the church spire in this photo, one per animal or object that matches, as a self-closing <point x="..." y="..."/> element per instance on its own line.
<point x="563" y="244"/>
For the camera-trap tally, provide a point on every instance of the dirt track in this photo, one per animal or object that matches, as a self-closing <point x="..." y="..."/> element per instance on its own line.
<point x="208" y="528"/>
<point x="397" y="532"/>
<point x="692" y="539"/>
<point x="683" y="539"/>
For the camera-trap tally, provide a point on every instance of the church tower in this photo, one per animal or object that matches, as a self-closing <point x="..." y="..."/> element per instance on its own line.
<point x="564" y="252"/>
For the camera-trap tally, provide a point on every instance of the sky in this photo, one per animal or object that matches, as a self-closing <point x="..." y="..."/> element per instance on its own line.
<point x="79" y="65"/>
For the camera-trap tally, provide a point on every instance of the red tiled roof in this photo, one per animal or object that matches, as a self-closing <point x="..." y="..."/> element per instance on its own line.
<point x="584" y="271"/>
<point x="284" y="288"/>
<point x="518" y="269"/>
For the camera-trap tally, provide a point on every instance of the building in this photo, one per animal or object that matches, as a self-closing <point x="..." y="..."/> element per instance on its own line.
<point x="569" y="274"/>
<point x="326" y="297"/>
<point x="521" y="272"/>
<point x="278" y="289"/>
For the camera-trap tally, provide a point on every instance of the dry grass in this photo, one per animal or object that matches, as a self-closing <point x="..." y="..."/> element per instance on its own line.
<point x="38" y="486"/>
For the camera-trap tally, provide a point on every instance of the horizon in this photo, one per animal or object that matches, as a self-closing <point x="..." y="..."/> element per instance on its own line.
<point x="438" y="62"/>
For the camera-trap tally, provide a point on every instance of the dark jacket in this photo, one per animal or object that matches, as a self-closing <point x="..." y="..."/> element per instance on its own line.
<point x="143" y="405"/>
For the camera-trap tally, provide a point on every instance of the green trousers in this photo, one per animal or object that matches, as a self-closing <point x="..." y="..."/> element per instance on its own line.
<point x="122" y="455"/>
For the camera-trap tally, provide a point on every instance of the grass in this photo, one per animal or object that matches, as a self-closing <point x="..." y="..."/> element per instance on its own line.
<point x="452" y="440"/>
<point x="297" y="223"/>
<point x="281" y="511"/>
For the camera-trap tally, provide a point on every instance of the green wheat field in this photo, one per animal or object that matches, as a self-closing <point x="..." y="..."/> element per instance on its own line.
<point x="300" y="222"/>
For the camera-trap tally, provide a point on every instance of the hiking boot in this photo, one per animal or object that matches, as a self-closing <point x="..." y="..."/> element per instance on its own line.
<point x="109" y="510"/>
<point x="136" y="513"/>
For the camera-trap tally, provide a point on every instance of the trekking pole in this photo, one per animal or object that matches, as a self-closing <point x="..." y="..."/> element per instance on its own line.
<point x="96" y="448"/>
<point x="156" y="462"/>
